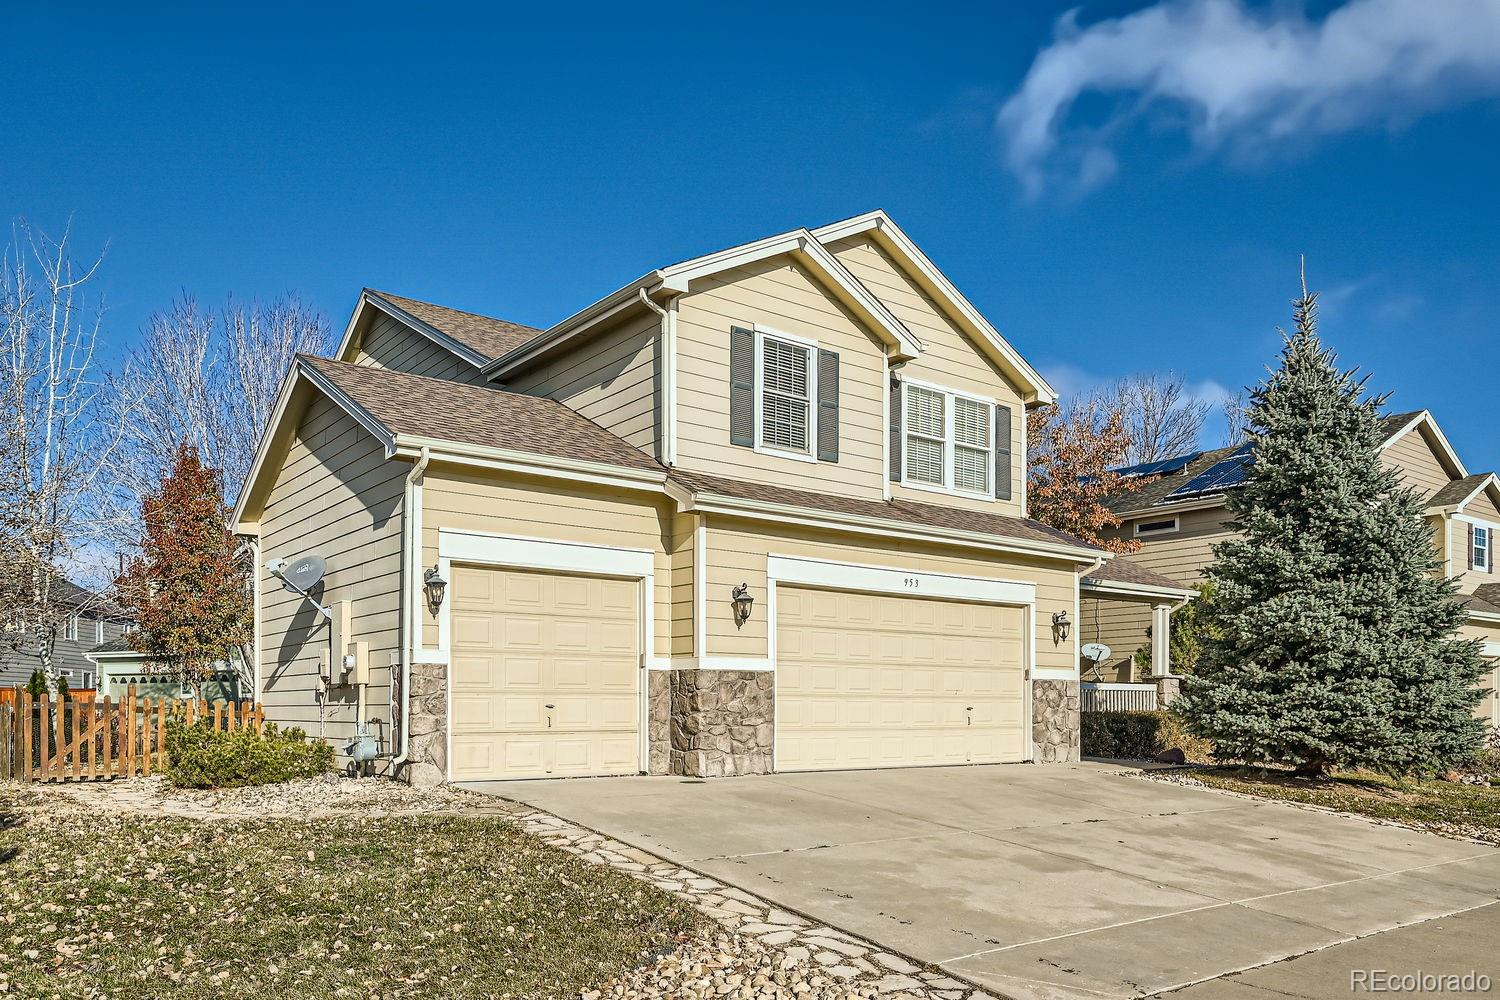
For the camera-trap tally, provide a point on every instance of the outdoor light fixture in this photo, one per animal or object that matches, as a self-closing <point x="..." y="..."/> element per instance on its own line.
<point x="436" y="588"/>
<point x="743" y="602"/>
<point x="1061" y="627"/>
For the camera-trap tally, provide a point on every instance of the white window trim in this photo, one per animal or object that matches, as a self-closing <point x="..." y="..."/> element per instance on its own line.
<point x="1176" y="526"/>
<point x="949" y="440"/>
<point x="1488" y="566"/>
<point x="70" y="630"/>
<point x="761" y="447"/>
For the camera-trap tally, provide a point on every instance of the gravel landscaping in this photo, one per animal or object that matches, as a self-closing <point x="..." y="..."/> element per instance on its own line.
<point x="1451" y="808"/>
<point x="342" y="888"/>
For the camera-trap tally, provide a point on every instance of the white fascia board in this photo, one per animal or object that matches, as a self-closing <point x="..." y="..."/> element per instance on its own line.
<point x="1116" y="587"/>
<point x="1487" y="483"/>
<point x="885" y="528"/>
<point x="1204" y="503"/>
<point x="894" y="240"/>
<point x="1425" y="419"/>
<point x="432" y="333"/>
<point x="544" y="554"/>
<point x="590" y="316"/>
<point x="802" y="244"/>
<point x="346" y="342"/>
<point x="362" y="416"/>
<point x="530" y="463"/>
<point x="889" y="580"/>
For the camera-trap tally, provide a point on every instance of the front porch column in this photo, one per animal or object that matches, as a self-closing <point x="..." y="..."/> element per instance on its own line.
<point x="1167" y="685"/>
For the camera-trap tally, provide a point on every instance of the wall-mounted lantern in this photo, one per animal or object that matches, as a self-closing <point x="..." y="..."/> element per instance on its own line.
<point x="436" y="587"/>
<point x="1061" y="627"/>
<point x="743" y="602"/>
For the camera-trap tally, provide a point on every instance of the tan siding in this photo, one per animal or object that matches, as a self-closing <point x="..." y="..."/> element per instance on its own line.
<point x="1419" y="466"/>
<point x="389" y="343"/>
<point x="950" y="358"/>
<point x="1458" y="540"/>
<point x="683" y="575"/>
<point x="778" y="294"/>
<point x="1483" y="507"/>
<point x="1489" y="708"/>
<point x="1182" y="554"/>
<point x="453" y="497"/>
<point x="1123" y="626"/>
<point x="611" y="379"/>
<point x="738" y="549"/>
<point x="339" y="498"/>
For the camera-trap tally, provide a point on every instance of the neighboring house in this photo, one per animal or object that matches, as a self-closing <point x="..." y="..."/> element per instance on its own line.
<point x="118" y="667"/>
<point x="1180" y="514"/>
<point x="91" y="620"/>
<point x="763" y="509"/>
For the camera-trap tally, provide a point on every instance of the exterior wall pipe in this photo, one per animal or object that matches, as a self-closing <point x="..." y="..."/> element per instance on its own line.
<point x="410" y="640"/>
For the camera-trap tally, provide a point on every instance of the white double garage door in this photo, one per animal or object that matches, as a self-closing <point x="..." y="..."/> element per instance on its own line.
<point x="546" y="676"/>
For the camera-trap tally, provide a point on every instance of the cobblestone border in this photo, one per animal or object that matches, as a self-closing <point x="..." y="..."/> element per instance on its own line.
<point x="855" y="963"/>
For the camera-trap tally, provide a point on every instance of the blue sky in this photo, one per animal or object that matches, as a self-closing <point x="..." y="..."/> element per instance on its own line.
<point x="1140" y="204"/>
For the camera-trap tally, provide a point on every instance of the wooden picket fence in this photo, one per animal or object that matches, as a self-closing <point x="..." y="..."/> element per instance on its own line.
<point x="85" y="740"/>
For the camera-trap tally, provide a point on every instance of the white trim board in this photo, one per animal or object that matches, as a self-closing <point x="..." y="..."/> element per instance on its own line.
<point x="799" y="570"/>
<point x="483" y="548"/>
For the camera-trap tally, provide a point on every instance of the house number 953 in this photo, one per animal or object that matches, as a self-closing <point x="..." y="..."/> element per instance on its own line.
<point x="911" y="582"/>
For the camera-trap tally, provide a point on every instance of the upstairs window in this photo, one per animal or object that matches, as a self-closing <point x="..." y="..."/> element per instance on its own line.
<point x="1481" y="548"/>
<point x="786" y="385"/>
<point x="950" y="441"/>
<point x="70" y="630"/>
<point x="1162" y="527"/>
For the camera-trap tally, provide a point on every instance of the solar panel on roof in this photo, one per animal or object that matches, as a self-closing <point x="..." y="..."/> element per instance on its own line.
<point x="1163" y="467"/>
<point x="1220" y="476"/>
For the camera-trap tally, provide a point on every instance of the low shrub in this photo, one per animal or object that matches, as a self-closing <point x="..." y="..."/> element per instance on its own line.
<point x="1140" y="736"/>
<point x="1486" y="760"/>
<point x="201" y="756"/>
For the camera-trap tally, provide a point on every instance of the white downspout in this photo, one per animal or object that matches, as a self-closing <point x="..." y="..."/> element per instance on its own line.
<point x="667" y="426"/>
<point x="410" y="640"/>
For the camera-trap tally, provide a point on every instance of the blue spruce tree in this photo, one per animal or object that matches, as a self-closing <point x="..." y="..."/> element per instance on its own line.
<point x="1336" y="646"/>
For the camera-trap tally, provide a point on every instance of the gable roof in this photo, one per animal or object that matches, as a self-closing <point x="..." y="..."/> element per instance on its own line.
<point x="1127" y="574"/>
<point x="1461" y="491"/>
<point x="894" y="241"/>
<point x="676" y="279"/>
<point x="433" y="409"/>
<point x="1156" y="490"/>
<point x="476" y="339"/>
<point x="1485" y="600"/>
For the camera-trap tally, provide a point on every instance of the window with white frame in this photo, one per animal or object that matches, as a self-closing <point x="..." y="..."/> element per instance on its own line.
<point x="70" y="630"/>
<point x="1482" y="547"/>
<point x="950" y="440"/>
<point x="786" y="388"/>
<point x="98" y="630"/>
<point x="1165" y="526"/>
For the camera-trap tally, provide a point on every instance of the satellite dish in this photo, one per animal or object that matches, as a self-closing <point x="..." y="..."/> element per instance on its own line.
<point x="301" y="575"/>
<point x="1096" y="652"/>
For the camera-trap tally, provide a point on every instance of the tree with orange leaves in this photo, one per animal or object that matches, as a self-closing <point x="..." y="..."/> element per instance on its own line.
<point x="186" y="589"/>
<point x="1071" y="453"/>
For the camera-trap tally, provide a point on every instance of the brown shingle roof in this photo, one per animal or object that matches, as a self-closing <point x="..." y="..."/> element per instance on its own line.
<point x="477" y="415"/>
<point x="1457" y="491"/>
<point x="1485" y="599"/>
<point x="1155" y="490"/>
<point x="1120" y="570"/>
<point x="484" y="334"/>
<point x="929" y="515"/>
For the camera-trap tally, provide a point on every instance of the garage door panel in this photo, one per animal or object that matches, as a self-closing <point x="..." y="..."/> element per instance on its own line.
<point x="899" y="681"/>
<point x="545" y="677"/>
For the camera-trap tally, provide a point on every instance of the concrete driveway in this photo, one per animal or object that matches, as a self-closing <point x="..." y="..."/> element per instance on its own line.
<point x="1042" y="882"/>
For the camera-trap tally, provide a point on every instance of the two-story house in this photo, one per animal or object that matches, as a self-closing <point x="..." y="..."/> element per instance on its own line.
<point x="1178" y="514"/>
<point x="763" y="509"/>
<point x="88" y="621"/>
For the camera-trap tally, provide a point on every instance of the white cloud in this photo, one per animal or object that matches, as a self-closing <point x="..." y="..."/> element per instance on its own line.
<point x="1248" y="79"/>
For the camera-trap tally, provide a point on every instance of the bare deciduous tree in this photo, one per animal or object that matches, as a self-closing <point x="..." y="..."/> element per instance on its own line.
<point x="208" y="379"/>
<point x="53" y="441"/>
<point x="1162" y="418"/>
<point x="1236" y="420"/>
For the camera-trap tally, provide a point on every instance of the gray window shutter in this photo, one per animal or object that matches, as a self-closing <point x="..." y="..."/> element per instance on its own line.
<point x="1002" y="452"/>
<point x="742" y="387"/>
<point x="895" y="429"/>
<point x="1471" y="546"/>
<point x="828" y="406"/>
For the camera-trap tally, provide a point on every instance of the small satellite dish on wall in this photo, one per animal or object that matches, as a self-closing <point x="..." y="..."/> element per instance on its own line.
<point x="300" y="575"/>
<point x="1096" y="652"/>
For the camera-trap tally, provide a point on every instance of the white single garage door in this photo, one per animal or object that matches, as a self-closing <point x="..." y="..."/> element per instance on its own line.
<point x="544" y="675"/>
<point x="881" y="680"/>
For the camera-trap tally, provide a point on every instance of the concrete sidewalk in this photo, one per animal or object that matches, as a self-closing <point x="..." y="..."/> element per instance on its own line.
<point x="1043" y="882"/>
